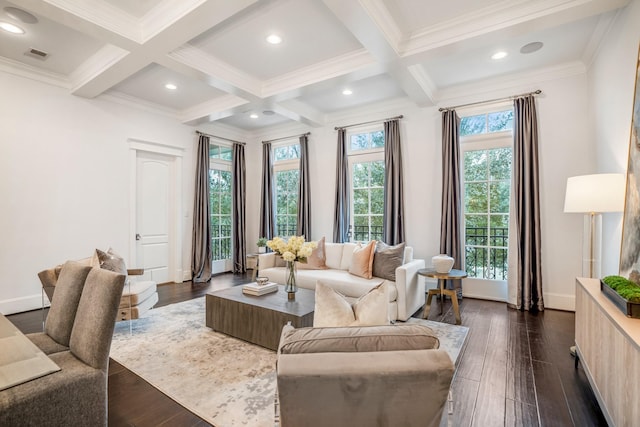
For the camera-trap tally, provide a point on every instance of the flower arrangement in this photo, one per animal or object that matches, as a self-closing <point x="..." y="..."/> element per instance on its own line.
<point x="293" y="249"/>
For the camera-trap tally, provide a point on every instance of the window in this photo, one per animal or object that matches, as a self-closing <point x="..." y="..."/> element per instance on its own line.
<point x="286" y="168"/>
<point x="487" y="187"/>
<point x="220" y="183"/>
<point x="366" y="164"/>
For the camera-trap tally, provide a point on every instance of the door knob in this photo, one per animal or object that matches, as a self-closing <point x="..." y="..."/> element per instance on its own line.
<point x="138" y="236"/>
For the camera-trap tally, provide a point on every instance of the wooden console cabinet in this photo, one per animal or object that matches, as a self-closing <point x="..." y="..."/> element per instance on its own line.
<point x="608" y="345"/>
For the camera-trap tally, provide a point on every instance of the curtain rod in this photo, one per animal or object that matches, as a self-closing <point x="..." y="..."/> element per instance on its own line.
<point x="366" y="123"/>
<point x="537" y="92"/>
<point x="287" y="137"/>
<point x="221" y="137"/>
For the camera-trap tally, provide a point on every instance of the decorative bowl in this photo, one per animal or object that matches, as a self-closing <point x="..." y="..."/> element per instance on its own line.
<point x="261" y="281"/>
<point x="442" y="263"/>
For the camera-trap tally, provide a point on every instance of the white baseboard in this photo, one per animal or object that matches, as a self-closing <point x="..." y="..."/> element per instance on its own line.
<point x="186" y="276"/>
<point x="18" y="305"/>
<point x="560" y="301"/>
<point x="484" y="297"/>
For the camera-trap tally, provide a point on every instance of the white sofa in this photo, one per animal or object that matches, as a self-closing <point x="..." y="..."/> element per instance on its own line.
<point x="406" y="294"/>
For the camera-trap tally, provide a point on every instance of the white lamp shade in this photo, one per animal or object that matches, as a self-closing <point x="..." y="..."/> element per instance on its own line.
<point x="595" y="193"/>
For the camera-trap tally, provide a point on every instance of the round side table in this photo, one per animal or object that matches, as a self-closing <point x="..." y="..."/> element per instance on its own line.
<point x="442" y="278"/>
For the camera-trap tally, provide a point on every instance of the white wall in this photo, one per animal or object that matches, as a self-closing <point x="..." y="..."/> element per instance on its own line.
<point x="65" y="180"/>
<point x="611" y="89"/>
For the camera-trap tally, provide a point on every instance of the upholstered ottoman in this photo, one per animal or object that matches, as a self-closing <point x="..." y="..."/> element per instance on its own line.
<point x="137" y="299"/>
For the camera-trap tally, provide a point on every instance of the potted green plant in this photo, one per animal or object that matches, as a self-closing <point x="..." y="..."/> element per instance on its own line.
<point x="262" y="245"/>
<point x="624" y="293"/>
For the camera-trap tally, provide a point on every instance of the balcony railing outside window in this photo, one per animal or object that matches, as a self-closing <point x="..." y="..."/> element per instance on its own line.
<point x="486" y="255"/>
<point x="221" y="243"/>
<point x="286" y="230"/>
<point x="363" y="233"/>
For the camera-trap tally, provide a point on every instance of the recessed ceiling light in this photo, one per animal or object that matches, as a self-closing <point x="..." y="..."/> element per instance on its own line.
<point x="531" y="47"/>
<point x="274" y="39"/>
<point x="499" y="55"/>
<point x="171" y="86"/>
<point x="253" y="116"/>
<point x="347" y="92"/>
<point x="21" y="15"/>
<point x="11" y="28"/>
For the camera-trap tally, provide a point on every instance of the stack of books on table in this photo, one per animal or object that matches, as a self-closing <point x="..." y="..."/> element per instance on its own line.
<point x="255" y="289"/>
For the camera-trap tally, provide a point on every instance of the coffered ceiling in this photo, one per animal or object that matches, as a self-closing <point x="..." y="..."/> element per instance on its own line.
<point x="216" y="54"/>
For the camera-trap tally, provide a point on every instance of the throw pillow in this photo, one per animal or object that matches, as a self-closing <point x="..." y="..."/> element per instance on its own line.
<point x="333" y="309"/>
<point x="111" y="261"/>
<point x="362" y="260"/>
<point x="386" y="259"/>
<point x="317" y="260"/>
<point x="355" y="339"/>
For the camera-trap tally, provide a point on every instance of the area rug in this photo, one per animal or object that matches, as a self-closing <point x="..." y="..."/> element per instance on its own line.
<point x="226" y="381"/>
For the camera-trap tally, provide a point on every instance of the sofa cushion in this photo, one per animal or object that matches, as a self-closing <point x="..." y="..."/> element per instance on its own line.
<point x="347" y="254"/>
<point x="358" y="339"/>
<point x="317" y="260"/>
<point x="362" y="260"/>
<point x="333" y="309"/>
<point x="334" y="254"/>
<point x="386" y="259"/>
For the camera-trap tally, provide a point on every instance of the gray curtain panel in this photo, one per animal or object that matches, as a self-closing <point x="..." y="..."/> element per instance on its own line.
<point x="267" y="206"/>
<point x="304" y="191"/>
<point x="201" y="248"/>
<point x="526" y="190"/>
<point x="239" y="215"/>
<point x="342" y="207"/>
<point x="393" y="227"/>
<point x="452" y="208"/>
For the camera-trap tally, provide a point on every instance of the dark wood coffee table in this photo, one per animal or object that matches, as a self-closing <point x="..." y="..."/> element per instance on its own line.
<point x="258" y="320"/>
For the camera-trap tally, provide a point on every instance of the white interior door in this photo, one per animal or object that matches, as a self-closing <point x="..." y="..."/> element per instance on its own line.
<point x="153" y="187"/>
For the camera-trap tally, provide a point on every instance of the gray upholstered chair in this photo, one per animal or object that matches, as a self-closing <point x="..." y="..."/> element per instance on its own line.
<point x="57" y="328"/>
<point x="77" y="394"/>
<point x="391" y="375"/>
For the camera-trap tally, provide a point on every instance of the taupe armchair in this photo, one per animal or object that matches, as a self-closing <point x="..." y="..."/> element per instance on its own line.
<point x="77" y="394"/>
<point x="368" y="376"/>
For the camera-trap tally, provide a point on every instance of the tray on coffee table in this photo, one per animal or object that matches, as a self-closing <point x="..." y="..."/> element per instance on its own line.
<point x="258" y="319"/>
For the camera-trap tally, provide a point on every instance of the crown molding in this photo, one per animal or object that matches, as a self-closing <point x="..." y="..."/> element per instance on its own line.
<point x="27" y="71"/>
<point x="137" y="103"/>
<point x="216" y="105"/>
<point x="333" y="67"/>
<point x="102" y="14"/>
<point x="423" y="79"/>
<point x="95" y="65"/>
<point x="500" y="16"/>
<point x="374" y="111"/>
<point x="605" y="23"/>
<point x="471" y="92"/>
<point x="196" y="58"/>
<point x="377" y="10"/>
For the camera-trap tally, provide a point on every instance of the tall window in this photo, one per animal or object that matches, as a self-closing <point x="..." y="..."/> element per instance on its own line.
<point x="286" y="168"/>
<point x="220" y="202"/>
<point x="366" y="165"/>
<point x="487" y="153"/>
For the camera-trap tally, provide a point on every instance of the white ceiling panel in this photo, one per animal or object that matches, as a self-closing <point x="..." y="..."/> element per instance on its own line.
<point x="366" y="91"/>
<point x="137" y="8"/>
<point x="561" y="45"/>
<point x="66" y="47"/>
<point x="309" y="32"/>
<point x="216" y="54"/>
<point x="149" y="84"/>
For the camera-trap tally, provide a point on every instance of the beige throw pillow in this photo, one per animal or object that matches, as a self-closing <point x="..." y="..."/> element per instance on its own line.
<point x="111" y="261"/>
<point x="317" y="260"/>
<point x="362" y="260"/>
<point x="332" y="308"/>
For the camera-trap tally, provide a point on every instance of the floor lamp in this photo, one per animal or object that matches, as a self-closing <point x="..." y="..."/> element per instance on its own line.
<point x="592" y="195"/>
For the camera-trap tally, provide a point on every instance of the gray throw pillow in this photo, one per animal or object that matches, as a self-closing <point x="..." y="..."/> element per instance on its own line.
<point x="111" y="261"/>
<point x="386" y="259"/>
<point x="358" y="339"/>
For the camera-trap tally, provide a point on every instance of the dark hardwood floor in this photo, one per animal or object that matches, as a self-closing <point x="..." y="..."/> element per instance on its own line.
<point x="515" y="370"/>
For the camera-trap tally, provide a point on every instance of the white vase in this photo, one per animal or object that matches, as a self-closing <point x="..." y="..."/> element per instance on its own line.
<point x="262" y="249"/>
<point x="442" y="263"/>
